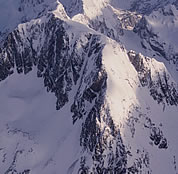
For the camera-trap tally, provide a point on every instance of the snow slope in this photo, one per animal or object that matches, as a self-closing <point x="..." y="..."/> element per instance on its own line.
<point x="33" y="134"/>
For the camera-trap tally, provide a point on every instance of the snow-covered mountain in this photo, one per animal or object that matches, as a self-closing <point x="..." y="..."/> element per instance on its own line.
<point x="88" y="87"/>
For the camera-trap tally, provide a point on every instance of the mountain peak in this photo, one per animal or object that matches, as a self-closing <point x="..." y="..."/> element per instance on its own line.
<point x="88" y="87"/>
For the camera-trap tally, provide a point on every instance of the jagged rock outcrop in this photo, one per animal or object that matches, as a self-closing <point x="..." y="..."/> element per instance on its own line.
<point x="162" y="89"/>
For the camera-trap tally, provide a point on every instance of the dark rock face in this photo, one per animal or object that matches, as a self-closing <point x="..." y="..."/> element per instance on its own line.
<point x="52" y="59"/>
<point x="156" y="134"/>
<point x="161" y="89"/>
<point x="105" y="145"/>
<point x="157" y="137"/>
<point x="92" y="82"/>
<point x="73" y="7"/>
<point x="63" y="66"/>
<point x="138" y="62"/>
<point x="146" y="6"/>
<point x="176" y="4"/>
<point x="101" y="26"/>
